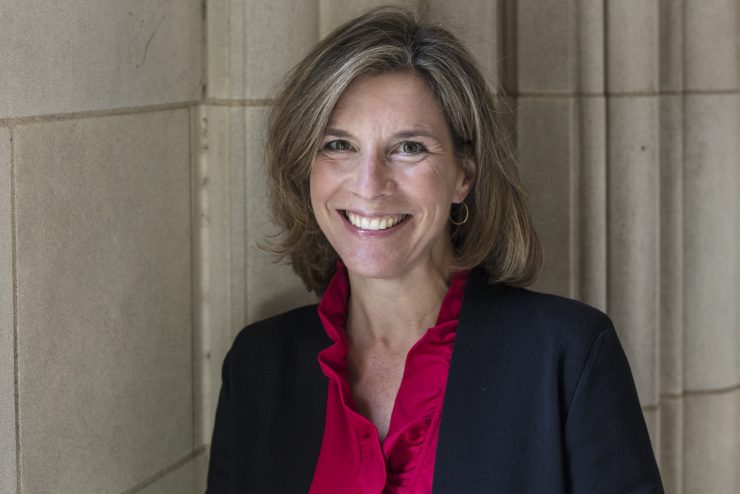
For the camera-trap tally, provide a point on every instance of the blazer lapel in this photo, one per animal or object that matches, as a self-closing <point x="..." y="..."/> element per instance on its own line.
<point x="475" y="390"/>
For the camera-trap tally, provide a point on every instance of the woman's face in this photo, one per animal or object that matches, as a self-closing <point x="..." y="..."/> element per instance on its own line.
<point x="385" y="177"/>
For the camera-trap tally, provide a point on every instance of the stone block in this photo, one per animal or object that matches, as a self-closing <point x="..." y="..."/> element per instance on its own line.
<point x="710" y="296"/>
<point x="591" y="39"/>
<point x="271" y="287"/>
<point x="671" y="244"/>
<point x="219" y="310"/>
<point x="633" y="224"/>
<point x="81" y="55"/>
<point x="546" y="46"/>
<point x="189" y="478"/>
<point x="632" y="46"/>
<point x="103" y="300"/>
<point x="477" y="23"/>
<point x="671" y="451"/>
<point x="265" y="40"/>
<point x="334" y="13"/>
<point x="591" y="208"/>
<point x="711" y="45"/>
<point x="711" y="442"/>
<point x="7" y="322"/>
<point x="671" y="45"/>
<point x="545" y="149"/>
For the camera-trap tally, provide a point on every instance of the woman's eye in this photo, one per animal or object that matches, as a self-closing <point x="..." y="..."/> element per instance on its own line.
<point x="338" y="145"/>
<point x="410" y="147"/>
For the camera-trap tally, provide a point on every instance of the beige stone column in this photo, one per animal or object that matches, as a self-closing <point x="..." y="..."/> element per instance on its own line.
<point x="626" y="120"/>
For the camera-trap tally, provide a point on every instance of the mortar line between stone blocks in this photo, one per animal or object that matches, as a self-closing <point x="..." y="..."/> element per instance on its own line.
<point x="701" y="392"/>
<point x="132" y="110"/>
<point x="624" y="94"/>
<point x="193" y="114"/>
<point x="165" y="471"/>
<point x="682" y="168"/>
<point x="14" y="281"/>
<point x="248" y="102"/>
<point x="204" y="65"/>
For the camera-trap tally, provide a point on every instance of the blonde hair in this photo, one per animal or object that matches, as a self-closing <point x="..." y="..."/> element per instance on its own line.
<point x="499" y="231"/>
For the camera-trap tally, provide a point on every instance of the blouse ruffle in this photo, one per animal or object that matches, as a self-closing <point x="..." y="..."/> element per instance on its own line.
<point x="352" y="458"/>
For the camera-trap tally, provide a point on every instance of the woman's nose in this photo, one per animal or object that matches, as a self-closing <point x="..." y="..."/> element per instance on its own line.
<point x="373" y="176"/>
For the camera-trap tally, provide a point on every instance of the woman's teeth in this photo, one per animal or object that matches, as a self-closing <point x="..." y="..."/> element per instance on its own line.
<point x="377" y="223"/>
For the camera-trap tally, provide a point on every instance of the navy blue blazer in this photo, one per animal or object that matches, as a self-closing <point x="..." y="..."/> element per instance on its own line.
<point x="539" y="399"/>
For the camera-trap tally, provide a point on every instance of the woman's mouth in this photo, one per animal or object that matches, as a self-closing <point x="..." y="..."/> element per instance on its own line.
<point x="375" y="222"/>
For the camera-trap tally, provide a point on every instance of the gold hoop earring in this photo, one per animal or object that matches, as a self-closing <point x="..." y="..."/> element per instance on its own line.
<point x="464" y="220"/>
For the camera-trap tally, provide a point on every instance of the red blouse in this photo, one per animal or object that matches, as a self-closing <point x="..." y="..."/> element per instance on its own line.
<point x="352" y="457"/>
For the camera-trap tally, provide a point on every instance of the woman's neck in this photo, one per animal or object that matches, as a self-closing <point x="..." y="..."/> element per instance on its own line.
<point x="395" y="313"/>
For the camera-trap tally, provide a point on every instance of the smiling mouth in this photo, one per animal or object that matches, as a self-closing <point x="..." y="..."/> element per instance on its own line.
<point x="375" y="223"/>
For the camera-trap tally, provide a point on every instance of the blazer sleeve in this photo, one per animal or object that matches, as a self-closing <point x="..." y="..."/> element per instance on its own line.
<point x="220" y="476"/>
<point x="607" y="444"/>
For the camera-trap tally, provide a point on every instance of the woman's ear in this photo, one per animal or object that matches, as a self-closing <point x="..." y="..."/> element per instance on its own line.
<point x="465" y="185"/>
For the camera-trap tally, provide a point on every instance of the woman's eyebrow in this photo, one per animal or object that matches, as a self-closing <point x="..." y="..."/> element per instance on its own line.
<point x="403" y="134"/>
<point x="406" y="134"/>
<point x="331" y="131"/>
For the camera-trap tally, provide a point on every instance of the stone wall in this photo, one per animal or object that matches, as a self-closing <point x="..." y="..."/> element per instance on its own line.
<point x="132" y="204"/>
<point x="96" y="274"/>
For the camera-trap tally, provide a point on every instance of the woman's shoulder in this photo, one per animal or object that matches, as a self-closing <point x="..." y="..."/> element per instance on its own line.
<point x="519" y="316"/>
<point x="280" y="337"/>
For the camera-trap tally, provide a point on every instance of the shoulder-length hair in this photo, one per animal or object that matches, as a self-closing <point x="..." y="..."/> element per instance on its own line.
<point x="498" y="232"/>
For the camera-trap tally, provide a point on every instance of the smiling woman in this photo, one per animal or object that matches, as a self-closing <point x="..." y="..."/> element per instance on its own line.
<point x="423" y="368"/>
<point x="385" y="177"/>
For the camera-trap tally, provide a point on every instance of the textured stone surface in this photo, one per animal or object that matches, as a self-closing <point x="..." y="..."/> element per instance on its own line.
<point x="591" y="208"/>
<point x="104" y="300"/>
<point x="590" y="45"/>
<point x="546" y="46"/>
<point x="477" y="23"/>
<point x="710" y="44"/>
<point x="545" y="137"/>
<point x="190" y="478"/>
<point x="220" y="310"/>
<point x="711" y="337"/>
<point x="671" y="244"/>
<point x="671" y="455"/>
<point x="333" y="13"/>
<point x="632" y="46"/>
<point x="671" y="46"/>
<point x="632" y="189"/>
<point x="711" y="442"/>
<point x="271" y="287"/>
<point x="7" y="365"/>
<point x="264" y="40"/>
<point x="78" y="55"/>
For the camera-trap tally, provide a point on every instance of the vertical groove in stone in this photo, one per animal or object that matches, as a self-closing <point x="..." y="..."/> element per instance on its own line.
<point x="8" y="424"/>
<point x="212" y="243"/>
<point x="671" y="198"/>
<point x="590" y="206"/>
<point x="632" y="48"/>
<point x="671" y="46"/>
<point x="633" y="233"/>
<point x="710" y="194"/>
<point x="590" y="46"/>
<point x="671" y="245"/>
<point x="508" y="65"/>
<point x="669" y="451"/>
<point x="633" y="186"/>
<point x="238" y="217"/>
<point x="711" y="61"/>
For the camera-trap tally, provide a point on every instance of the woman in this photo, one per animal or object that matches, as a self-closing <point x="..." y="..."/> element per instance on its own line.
<point x="423" y="368"/>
